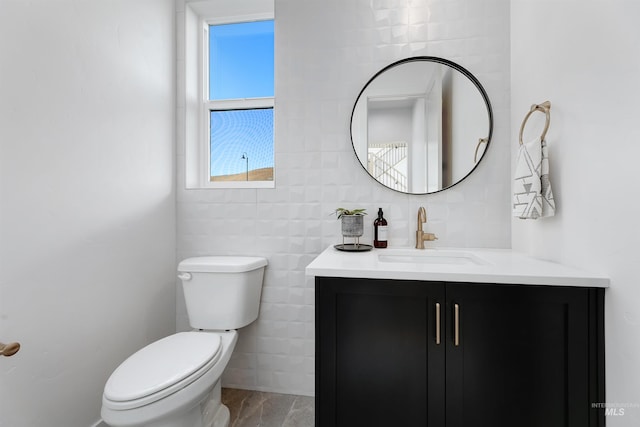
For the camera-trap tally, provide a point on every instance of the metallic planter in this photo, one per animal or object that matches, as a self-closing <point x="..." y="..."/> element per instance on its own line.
<point x="352" y="225"/>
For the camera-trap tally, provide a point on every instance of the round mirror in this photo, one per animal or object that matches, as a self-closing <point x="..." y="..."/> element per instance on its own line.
<point x="421" y="125"/>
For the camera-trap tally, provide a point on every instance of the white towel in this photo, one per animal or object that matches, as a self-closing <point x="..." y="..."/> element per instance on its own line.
<point x="532" y="195"/>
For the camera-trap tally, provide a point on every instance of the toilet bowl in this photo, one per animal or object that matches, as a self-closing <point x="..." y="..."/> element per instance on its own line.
<point x="158" y="385"/>
<point x="175" y="381"/>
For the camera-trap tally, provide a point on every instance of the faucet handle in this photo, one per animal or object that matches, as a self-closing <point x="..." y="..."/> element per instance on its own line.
<point x="429" y="237"/>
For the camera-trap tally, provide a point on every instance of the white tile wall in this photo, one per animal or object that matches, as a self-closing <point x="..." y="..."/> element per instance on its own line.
<point x="326" y="50"/>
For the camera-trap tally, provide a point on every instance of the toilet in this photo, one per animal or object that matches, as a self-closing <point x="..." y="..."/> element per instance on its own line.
<point x="175" y="381"/>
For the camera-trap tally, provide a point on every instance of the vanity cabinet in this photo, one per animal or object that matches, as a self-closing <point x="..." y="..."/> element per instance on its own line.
<point x="418" y="353"/>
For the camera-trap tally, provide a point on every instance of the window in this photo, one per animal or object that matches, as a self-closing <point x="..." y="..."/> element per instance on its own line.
<point x="240" y="101"/>
<point x="241" y="145"/>
<point x="229" y="88"/>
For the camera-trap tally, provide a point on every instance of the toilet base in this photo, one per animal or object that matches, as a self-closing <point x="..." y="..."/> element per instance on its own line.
<point x="214" y="412"/>
<point x="223" y="417"/>
<point x="210" y="413"/>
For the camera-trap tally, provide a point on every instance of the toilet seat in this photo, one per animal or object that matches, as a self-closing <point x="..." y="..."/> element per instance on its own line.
<point x="161" y="368"/>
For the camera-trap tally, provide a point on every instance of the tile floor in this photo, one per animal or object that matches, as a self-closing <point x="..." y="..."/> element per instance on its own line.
<point x="260" y="409"/>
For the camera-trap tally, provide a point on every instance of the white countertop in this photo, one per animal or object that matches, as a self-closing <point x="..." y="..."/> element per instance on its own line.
<point x="441" y="264"/>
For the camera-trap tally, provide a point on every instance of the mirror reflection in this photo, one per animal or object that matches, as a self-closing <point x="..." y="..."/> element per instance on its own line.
<point x="421" y="125"/>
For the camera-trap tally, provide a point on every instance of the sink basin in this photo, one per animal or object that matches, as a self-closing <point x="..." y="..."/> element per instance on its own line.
<point x="431" y="257"/>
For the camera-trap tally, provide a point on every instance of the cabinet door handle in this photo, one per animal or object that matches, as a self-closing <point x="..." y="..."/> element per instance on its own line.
<point x="437" y="323"/>
<point x="456" y="325"/>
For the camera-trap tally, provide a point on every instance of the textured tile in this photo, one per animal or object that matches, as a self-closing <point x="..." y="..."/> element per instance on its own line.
<point x="319" y="74"/>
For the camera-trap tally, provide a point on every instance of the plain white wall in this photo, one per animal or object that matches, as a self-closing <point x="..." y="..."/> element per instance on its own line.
<point x="326" y="51"/>
<point x="87" y="199"/>
<point x="583" y="57"/>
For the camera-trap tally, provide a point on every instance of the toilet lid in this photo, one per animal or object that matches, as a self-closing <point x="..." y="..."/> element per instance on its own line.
<point x="162" y="364"/>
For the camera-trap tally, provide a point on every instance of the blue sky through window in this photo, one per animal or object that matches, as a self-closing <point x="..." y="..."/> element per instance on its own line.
<point x="241" y="60"/>
<point x="241" y="66"/>
<point x="238" y="132"/>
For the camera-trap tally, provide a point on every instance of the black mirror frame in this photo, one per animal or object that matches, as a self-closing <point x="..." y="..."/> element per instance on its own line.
<point x="456" y="67"/>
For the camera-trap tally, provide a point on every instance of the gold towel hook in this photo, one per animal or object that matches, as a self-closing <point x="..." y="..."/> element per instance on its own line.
<point x="545" y="107"/>
<point x="9" y="349"/>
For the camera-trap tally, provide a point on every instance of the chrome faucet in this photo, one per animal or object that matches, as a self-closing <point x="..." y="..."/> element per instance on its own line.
<point x="421" y="236"/>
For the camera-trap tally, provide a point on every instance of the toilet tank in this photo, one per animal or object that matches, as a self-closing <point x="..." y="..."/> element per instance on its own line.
<point x="222" y="292"/>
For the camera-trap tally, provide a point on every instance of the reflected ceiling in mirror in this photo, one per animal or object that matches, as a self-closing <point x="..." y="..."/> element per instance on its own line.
<point x="421" y="125"/>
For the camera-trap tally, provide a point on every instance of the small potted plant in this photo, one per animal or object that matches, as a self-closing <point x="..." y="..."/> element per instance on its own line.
<point x="352" y="221"/>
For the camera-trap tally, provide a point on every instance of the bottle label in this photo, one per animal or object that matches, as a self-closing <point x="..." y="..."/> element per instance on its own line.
<point x="382" y="233"/>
